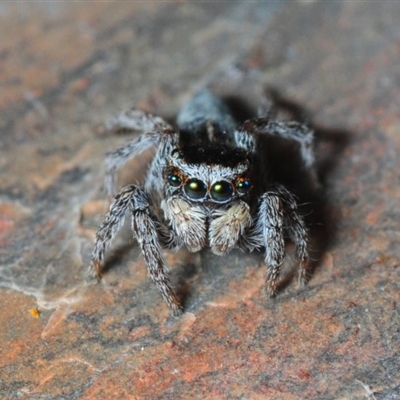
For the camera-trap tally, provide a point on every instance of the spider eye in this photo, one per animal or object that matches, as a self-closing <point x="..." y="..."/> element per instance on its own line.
<point x="221" y="191"/>
<point x="195" y="189"/>
<point x="174" y="180"/>
<point x="243" y="186"/>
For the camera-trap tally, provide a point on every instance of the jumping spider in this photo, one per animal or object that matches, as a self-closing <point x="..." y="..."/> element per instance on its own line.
<point x="207" y="186"/>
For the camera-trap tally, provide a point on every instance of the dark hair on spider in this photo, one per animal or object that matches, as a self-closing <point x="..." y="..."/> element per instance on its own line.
<point x="212" y="154"/>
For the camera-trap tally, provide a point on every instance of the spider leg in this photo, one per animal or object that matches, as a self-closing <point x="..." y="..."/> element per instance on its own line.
<point x="277" y="213"/>
<point x="296" y="227"/>
<point x="270" y="225"/>
<point x="168" y="238"/>
<point x="144" y="226"/>
<point x="267" y="107"/>
<point x="135" y="120"/>
<point x="155" y="129"/>
<point x="109" y="228"/>
<point x="291" y="130"/>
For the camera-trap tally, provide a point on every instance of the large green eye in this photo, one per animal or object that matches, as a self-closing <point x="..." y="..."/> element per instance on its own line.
<point x="174" y="180"/>
<point x="243" y="186"/>
<point x="195" y="189"/>
<point x="221" y="191"/>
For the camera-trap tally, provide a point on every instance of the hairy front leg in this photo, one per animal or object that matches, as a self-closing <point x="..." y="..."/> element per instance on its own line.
<point x="270" y="225"/>
<point x="145" y="230"/>
<point x="144" y="226"/>
<point x="109" y="228"/>
<point x="297" y="230"/>
<point x="278" y="214"/>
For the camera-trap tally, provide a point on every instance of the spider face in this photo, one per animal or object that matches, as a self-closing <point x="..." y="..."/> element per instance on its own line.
<point x="202" y="182"/>
<point x="206" y="187"/>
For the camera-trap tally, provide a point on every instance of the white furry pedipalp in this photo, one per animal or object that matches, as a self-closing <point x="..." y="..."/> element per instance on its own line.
<point x="227" y="226"/>
<point x="188" y="221"/>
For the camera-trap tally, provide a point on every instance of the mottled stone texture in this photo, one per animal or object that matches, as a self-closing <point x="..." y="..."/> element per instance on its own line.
<point x="66" y="67"/>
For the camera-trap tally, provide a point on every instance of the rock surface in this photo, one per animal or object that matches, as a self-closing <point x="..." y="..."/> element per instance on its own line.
<point x="68" y="67"/>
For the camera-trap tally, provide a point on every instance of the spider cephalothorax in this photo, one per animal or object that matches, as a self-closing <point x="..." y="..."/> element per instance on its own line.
<point x="207" y="186"/>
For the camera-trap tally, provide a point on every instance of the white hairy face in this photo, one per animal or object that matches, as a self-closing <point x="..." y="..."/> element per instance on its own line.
<point x="208" y="181"/>
<point x="204" y="203"/>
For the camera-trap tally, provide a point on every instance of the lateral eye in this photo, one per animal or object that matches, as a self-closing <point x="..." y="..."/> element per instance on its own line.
<point x="195" y="189"/>
<point x="221" y="191"/>
<point x="243" y="186"/>
<point x="174" y="180"/>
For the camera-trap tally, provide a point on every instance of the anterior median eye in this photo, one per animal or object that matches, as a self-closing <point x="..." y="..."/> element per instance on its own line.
<point x="174" y="180"/>
<point x="243" y="186"/>
<point x="221" y="191"/>
<point x="195" y="189"/>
